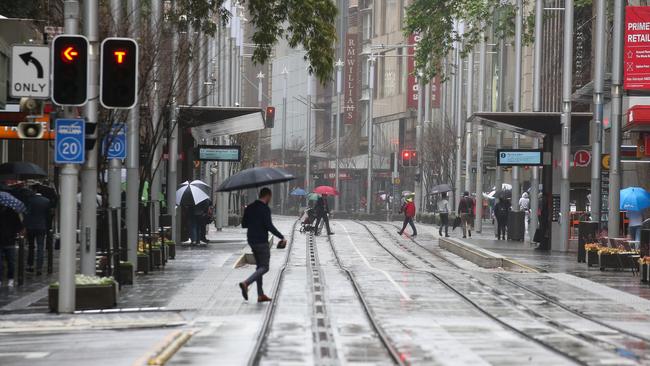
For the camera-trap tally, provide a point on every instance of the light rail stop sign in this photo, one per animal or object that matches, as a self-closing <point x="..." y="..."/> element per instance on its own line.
<point x="69" y="141"/>
<point x="30" y="71"/>
<point x="582" y="158"/>
<point x="117" y="138"/>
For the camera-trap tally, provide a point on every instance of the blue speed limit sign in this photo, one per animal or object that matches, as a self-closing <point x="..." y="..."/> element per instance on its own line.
<point x="115" y="142"/>
<point x="69" y="141"/>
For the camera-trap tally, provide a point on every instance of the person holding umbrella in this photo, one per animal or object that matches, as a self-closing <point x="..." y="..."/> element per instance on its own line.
<point x="257" y="219"/>
<point x="10" y="227"/>
<point x="322" y="211"/>
<point x="443" y="209"/>
<point x="634" y="200"/>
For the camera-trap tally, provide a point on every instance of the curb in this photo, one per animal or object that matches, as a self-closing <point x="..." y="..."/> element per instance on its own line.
<point x="482" y="257"/>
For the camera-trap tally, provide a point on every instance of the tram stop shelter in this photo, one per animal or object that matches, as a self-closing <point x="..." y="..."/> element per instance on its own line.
<point x="548" y="128"/>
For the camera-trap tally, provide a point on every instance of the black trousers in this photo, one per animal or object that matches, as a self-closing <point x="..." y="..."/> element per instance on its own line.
<point x="409" y="221"/>
<point x="444" y="223"/>
<point x="262" y="255"/>
<point x="501" y="227"/>
<point x="327" y="223"/>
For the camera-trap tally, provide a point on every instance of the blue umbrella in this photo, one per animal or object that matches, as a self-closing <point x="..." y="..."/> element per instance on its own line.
<point x="6" y="199"/>
<point x="298" y="192"/>
<point x="634" y="199"/>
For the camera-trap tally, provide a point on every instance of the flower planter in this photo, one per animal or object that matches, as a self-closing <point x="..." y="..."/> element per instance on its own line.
<point x="157" y="257"/>
<point x="591" y="258"/>
<point x="87" y="297"/>
<point x="126" y="274"/>
<point x="143" y="263"/>
<point x="616" y="261"/>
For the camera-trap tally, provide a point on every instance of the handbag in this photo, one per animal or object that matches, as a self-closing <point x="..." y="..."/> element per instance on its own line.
<point x="281" y="244"/>
<point x="456" y="223"/>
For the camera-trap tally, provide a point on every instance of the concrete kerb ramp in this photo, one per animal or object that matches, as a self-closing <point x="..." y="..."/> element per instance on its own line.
<point x="247" y="256"/>
<point x="482" y="257"/>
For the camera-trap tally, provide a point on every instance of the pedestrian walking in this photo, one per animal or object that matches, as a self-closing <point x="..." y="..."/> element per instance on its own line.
<point x="322" y="213"/>
<point x="466" y="212"/>
<point x="10" y="226"/>
<point x="501" y="210"/>
<point x="408" y="208"/>
<point x="524" y="206"/>
<point x="257" y="219"/>
<point x="634" y="227"/>
<point x="36" y="224"/>
<point x="443" y="210"/>
<point x="198" y="214"/>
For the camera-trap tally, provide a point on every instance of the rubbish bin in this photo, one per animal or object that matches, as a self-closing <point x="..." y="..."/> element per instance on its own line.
<point x="587" y="233"/>
<point x="516" y="225"/>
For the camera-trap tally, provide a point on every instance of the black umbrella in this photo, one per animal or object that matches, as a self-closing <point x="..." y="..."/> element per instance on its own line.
<point x="503" y="194"/>
<point x="21" y="170"/>
<point x="255" y="177"/>
<point x="441" y="188"/>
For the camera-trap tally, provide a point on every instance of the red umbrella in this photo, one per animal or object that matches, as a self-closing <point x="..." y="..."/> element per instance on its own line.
<point x="327" y="190"/>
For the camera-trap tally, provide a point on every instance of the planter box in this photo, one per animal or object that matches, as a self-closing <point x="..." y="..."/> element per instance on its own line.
<point x="126" y="274"/>
<point x="172" y="251"/>
<point x="87" y="297"/>
<point x="616" y="261"/>
<point x="591" y="259"/>
<point x="143" y="264"/>
<point x="157" y="257"/>
<point x="645" y="273"/>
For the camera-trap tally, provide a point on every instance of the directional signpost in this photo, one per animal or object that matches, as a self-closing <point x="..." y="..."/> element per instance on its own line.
<point x="69" y="141"/>
<point x="117" y="139"/>
<point x="30" y="71"/>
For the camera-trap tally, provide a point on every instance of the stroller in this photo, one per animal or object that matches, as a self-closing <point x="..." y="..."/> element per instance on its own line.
<point x="307" y="221"/>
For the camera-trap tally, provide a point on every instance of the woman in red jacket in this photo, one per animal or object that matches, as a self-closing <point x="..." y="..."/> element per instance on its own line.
<point x="409" y="213"/>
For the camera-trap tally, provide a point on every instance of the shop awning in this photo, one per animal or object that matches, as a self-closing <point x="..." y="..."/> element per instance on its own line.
<point x="534" y="124"/>
<point x="211" y="122"/>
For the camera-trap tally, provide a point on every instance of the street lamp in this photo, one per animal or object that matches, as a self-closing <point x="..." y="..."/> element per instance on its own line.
<point x="371" y="86"/>
<point x="339" y="87"/>
<point x="260" y="78"/>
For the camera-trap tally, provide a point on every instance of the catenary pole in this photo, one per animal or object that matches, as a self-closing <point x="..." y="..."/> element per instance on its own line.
<point x="479" y="135"/>
<point x="156" y="29"/>
<point x="371" y="97"/>
<point x="339" y="90"/>
<point x="516" y="189"/>
<point x="172" y="138"/>
<point x="89" y="169"/>
<point x="537" y="107"/>
<point x="468" y="125"/>
<point x="459" y="124"/>
<point x="418" y="139"/>
<point x="597" y="124"/>
<point x="617" y="110"/>
<point x="421" y="199"/>
<point x="308" y="137"/>
<point x="500" y="107"/>
<point x="115" y="165"/>
<point x="285" y="91"/>
<point x="68" y="205"/>
<point x="567" y="73"/>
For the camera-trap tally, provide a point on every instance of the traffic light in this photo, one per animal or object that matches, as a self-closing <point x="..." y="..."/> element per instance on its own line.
<point x="269" y="121"/>
<point x="70" y="70"/>
<point x="119" y="73"/>
<point x="30" y="130"/>
<point x="409" y="158"/>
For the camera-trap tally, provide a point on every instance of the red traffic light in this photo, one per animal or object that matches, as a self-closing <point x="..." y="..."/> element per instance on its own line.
<point x="270" y="117"/>
<point x="406" y="154"/>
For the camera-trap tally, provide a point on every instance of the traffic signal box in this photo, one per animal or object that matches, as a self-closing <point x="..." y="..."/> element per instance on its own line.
<point x="409" y="158"/>
<point x="70" y="70"/>
<point x="269" y="121"/>
<point x="119" y="73"/>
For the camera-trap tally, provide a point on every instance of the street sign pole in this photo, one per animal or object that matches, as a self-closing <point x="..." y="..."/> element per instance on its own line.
<point x="68" y="206"/>
<point x="597" y="124"/>
<point x="567" y="77"/>
<point x="516" y="188"/>
<point x="537" y="107"/>
<point x="133" y="156"/>
<point x="89" y="169"/>
<point x="479" y="135"/>
<point x="115" y="165"/>
<point x="157" y="29"/>
<point x="172" y="140"/>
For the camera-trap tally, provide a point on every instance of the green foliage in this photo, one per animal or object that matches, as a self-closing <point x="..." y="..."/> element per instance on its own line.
<point x="305" y="23"/>
<point x="435" y="21"/>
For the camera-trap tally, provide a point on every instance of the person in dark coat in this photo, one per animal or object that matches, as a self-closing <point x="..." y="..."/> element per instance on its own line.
<point x="466" y="213"/>
<point x="10" y="226"/>
<point x="197" y="218"/>
<point x="257" y="219"/>
<point x="501" y="210"/>
<point x="36" y="224"/>
<point x="322" y="211"/>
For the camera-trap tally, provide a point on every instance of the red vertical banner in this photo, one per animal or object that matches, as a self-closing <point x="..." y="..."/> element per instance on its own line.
<point x="435" y="92"/>
<point x="636" y="54"/>
<point x="351" y="82"/>
<point x="411" y="83"/>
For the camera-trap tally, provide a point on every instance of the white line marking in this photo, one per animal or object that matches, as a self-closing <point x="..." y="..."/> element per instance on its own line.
<point x="399" y="288"/>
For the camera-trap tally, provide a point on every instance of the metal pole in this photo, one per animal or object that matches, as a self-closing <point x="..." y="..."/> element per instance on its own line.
<point x="479" y="135"/>
<point x="172" y="139"/>
<point x="308" y="141"/>
<point x="156" y="29"/>
<point x="115" y="165"/>
<point x="599" y="78"/>
<point x="537" y="107"/>
<point x="68" y="205"/>
<point x="421" y="198"/>
<point x="371" y="97"/>
<point x="516" y="189"/>
<point x="339" y="89"/>
<point x="285" y="77"/>
<point x="468" y="125"/>
<point x="418" y="140"/>
<point x="133" y="157"/>
<point x="617" y="110"/>
<point x="200" y="45"/>
<point x="459" y="124"/>
<point x="498" y="179"/>
<point x="189" y="92"/>
<point x="89" y="169"/>
<point x="260" y="78"/>
<point x="567" y="74"/>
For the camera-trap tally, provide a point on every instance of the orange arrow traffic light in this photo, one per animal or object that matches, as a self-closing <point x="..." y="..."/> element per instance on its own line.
<point x="69" y="54"/>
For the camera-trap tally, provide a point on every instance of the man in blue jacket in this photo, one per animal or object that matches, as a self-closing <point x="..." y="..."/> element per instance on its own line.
<point x="257" y="219"/>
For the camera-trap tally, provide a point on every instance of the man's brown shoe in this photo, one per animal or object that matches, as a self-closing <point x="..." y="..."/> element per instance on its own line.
<point x="244" y="290"/>
<point x="263" y="298"/>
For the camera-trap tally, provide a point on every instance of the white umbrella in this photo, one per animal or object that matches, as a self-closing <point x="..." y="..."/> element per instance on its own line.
<point x="190" y="194"/>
